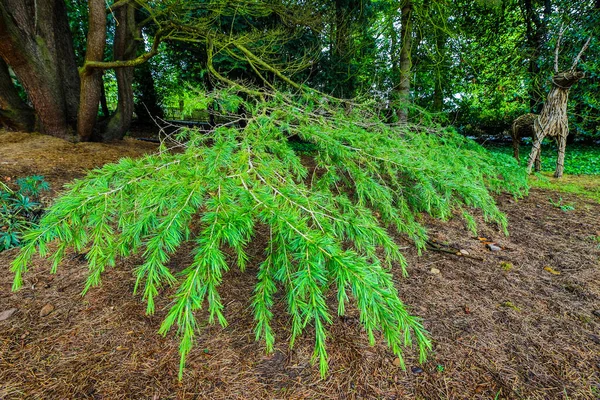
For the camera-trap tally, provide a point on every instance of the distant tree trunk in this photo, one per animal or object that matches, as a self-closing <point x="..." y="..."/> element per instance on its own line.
<point x="403" y="88"/>
<point x="438" y="91"/>
<point x="91" y="78"/>
<point x="340" y="49"/>
<point x="103" y="102"/>
<point x="124" y="48"/>
<point x="14" y="113"/>
<point x="146" y="107"/>
<point x="35" y="41"/>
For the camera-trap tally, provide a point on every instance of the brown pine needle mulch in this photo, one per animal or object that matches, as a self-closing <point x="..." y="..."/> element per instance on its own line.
<point x="522" y="323"/>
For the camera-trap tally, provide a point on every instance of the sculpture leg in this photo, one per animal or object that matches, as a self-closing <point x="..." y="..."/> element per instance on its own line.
<point x="535" y="152"/>
<point x="561" y="141"/>
<point x="515" y="141"/>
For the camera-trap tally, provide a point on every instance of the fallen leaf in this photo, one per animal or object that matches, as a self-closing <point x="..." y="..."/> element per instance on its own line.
<point x="467" y="310"/>
<point x="4" y="315"/>
<point x="47" y="309"/>
<point x="482" y="239"/>
<point x="397" y="362"/>
<point x="121" y="348"/>
<point x="551" y="270"/>
<point x="464" y="252"/>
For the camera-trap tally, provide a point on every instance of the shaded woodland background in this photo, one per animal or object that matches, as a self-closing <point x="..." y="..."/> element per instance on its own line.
<point x="476" y="64"/>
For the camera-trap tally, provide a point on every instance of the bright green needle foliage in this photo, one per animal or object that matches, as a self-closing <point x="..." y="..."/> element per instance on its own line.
<point x="328" y="215"/>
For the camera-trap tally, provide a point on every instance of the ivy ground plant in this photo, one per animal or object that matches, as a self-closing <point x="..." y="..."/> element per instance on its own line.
<point x="19" y="209"/>
<point x="329" y="215"/>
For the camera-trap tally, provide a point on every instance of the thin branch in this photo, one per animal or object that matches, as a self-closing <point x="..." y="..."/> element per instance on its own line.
<point x="128" y="63"/>
<point x="560" y="34"/>
<point x="584" y="48"/>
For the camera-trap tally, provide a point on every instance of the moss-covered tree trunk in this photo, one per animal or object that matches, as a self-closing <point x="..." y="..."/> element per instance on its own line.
<point x="35" y="41"/>
<point x="124" y="49"/>
<point x="14" y="113"/>
<point x="403" y="88"/>
<point x="91" y="78"/>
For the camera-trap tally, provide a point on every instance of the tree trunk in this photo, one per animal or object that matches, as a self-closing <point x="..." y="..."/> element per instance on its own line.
<point x="403" y="88"/>
<point x="14" y="113"/>
<point x="340" y="49"/>
<point x="91" y="78"/>
<point x="438" y="91"/>
<point x="124" y="48"/>
<point x="147" y="107"/>
<point x="35" y="41"/>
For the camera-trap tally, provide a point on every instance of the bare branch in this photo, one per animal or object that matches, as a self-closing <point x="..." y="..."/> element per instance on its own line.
<point x="560" y="34"/>
<point x="584" y="48"/>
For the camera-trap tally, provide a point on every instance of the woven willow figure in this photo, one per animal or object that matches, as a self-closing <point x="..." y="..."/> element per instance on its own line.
<point x="552" y="121"/>
<point x="523" y="127"/>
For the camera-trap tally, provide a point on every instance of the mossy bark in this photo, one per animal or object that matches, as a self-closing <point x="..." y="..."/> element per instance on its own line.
<point x="403" y="88"/>
<point x="35" y="41"/>
<point x="14" y="113"/>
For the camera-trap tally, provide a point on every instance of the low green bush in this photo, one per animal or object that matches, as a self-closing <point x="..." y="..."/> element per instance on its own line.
<point x="329" y="212"/>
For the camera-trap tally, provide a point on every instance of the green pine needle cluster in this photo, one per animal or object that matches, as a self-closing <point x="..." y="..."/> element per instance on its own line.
<point x="329" y="215"/>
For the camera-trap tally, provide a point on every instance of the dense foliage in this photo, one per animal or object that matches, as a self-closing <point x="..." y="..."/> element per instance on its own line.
<point x="330" y="217"/>
<point x="19" y="209"/>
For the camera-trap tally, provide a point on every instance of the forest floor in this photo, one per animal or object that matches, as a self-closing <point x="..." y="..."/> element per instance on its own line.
<point x="522" y="322"/>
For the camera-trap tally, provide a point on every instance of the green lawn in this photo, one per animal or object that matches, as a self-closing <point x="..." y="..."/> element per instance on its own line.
<point x="579" y="159"/>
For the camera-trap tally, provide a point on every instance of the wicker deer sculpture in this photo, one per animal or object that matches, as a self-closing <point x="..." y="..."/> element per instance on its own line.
<point x="552" y="121"/>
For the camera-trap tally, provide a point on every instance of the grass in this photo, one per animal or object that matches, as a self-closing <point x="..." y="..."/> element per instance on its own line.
<point x="582" y="170"/>
<point x="583" y="185"/>
<point x="579" y="159"/>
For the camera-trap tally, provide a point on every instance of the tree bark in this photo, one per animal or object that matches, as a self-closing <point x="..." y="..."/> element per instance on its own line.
<point x="14" y="113"/>
<point x="124" y="49"/>
<point x="91" y="78"/>
<point x="35" y="41"/>
<point x="403" y="88"/>
<point x="438" y="91"/>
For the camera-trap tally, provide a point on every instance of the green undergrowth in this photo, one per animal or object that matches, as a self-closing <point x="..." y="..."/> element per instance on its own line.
<point x="329" y="212"/>
<point x="579" y="159"/>
<point x="20" y="209"/>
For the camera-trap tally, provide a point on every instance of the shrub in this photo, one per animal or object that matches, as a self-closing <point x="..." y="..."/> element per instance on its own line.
<point x="19" y="209"/>
<point x="328" y="216"/>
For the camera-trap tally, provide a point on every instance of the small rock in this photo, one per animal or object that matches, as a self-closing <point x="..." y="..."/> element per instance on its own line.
<point x="494" y="247"/>
<point x="596" y="313"/>
<point x="4" y="315"/>
<point x="464" y="252"/>
<point x="538" y="206"/>
<point x="434" y="271"/>
<point x="397" y="362"/>
<point x="416" y="370"/>
<point x="46" y="310"/>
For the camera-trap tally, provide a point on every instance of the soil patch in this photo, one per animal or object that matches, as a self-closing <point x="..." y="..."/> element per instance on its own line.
<point x="522" y="322"/>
